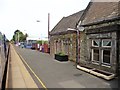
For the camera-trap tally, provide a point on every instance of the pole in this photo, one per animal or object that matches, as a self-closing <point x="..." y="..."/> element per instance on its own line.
<point x="77" y="47"/>
<point x="78" y="43"/>
<point x="48" y="32"/>
<point x="48" y="26"/>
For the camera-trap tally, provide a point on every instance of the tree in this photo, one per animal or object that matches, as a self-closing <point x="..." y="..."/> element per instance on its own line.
<point x="16" y="31"/>
<point x="26" y="35"/>
<point x="39" y="42"/>
<point x="19" y="36"/>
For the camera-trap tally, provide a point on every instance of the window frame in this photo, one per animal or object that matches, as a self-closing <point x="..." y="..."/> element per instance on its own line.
<point x="95" y="61"/>
<point x="93" y="43"/>
<point x="104" y="63"/>
<point x="106" y="40"/>
<point x="101" y="48"/>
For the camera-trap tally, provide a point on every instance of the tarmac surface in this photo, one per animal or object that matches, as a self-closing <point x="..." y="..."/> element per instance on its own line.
<point x="50" y="73"/>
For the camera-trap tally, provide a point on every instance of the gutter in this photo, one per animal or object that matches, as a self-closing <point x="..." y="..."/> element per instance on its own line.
<point x="102" y="21"/>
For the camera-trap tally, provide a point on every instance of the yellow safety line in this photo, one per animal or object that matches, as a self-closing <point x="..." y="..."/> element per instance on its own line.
<point x="34" y="73"/>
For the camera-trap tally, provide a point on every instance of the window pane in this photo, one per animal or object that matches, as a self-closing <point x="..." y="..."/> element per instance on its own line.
<point x="95" y="54"/>
<point x="106" y="43"/>
<point x="106" y="56"/>
<point x="96" y="43"/>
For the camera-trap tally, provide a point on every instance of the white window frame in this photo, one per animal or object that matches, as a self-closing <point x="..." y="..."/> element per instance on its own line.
<point x="103" y="63"/>
<point x="106" y="40"/>
<point x="94" y="61"/>
<point x="92" y="54"/>
<point x="103" y="48"/>
<point x="93" y="43"/>
<point x="109" y="47"/>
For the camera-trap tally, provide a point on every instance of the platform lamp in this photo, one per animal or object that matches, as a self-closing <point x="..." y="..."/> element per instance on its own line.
<point x="77" y="43"/>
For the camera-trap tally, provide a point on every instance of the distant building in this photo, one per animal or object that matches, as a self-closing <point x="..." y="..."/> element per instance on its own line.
<point x="31" y="40"/>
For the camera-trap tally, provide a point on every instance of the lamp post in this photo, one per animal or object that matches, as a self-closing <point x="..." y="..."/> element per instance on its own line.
<point x="78" y="29"/>
<point x="48" y="32"/>
<point x="77" y="45"/>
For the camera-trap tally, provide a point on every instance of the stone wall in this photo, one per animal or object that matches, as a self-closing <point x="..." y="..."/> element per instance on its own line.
<point x="83" y="48"/>
<point x="86" y="51"/>
<point x="65" y="43"/>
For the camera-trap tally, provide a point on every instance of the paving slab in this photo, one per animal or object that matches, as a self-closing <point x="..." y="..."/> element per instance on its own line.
<point x="19" y="77"/>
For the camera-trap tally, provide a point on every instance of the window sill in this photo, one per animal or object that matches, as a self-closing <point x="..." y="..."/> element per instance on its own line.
<point x="97" y="63"/>
<point x="106" y="65"/>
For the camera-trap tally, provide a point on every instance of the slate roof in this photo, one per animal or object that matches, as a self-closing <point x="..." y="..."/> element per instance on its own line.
<point x="67" y="22"/>
<point x="100" y="11"/>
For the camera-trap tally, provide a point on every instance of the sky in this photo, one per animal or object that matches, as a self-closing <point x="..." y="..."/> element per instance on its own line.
<point x="23" y="15"/>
